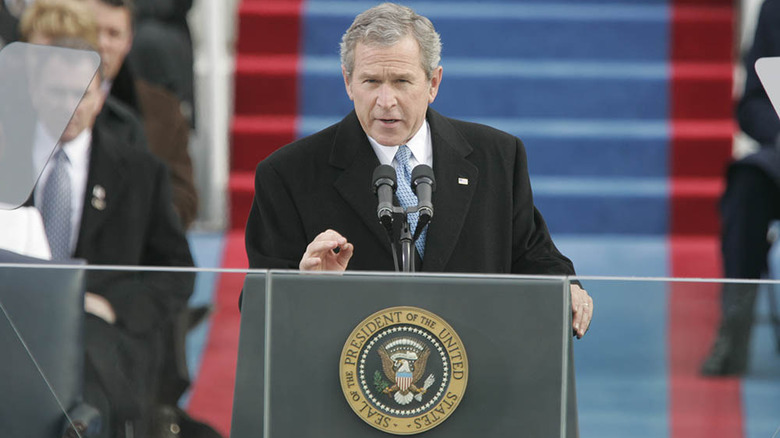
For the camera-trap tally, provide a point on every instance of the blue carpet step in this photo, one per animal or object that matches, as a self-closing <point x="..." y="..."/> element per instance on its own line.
<point x="528" y="30"/>
<point x="624" y="206"/>
<point x="575" y="148"/>
<point x="520" y="88"/>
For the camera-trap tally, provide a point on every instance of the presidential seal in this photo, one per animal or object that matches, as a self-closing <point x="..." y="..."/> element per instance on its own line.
<point x="403" y="370"/>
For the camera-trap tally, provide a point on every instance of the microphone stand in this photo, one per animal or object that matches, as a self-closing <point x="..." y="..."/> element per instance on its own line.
<point x="384" y="180"/>
<point x="407" y="246"/>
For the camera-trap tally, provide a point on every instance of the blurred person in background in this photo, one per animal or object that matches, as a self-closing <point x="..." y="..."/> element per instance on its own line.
<point x="51" y="19"/>
<point x="162" y="49"/>
<point x="166" y="127"/>
<point x="108" y="203"/>
<point x="148" y="115"/>
<point x="750" y="203"/>
<point x="121" y="214"/>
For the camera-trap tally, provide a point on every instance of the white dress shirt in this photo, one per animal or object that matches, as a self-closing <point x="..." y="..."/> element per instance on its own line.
<point x="420" y="145"/>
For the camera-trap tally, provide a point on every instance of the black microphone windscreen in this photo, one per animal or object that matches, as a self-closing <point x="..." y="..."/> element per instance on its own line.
<point x="423" y="171"/>
<point x="383" y="174"/>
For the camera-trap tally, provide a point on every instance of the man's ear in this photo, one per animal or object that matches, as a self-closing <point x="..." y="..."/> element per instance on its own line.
<point x="435" y="82"/>
<point x="346" y="82"/>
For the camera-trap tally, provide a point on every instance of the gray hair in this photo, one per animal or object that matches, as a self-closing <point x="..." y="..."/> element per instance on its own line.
<point x="384" y="26"/>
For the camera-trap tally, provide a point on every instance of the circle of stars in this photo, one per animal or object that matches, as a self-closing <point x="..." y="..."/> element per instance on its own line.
<point x="444" y="379"/>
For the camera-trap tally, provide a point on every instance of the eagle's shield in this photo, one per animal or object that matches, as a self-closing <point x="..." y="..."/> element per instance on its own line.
<point x="404" y="380"/>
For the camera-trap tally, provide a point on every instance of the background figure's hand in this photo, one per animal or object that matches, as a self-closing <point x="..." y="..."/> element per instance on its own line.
<point x="329" y="251"/>
<point x="100" y="307"/>
<point x="581" y="309"/>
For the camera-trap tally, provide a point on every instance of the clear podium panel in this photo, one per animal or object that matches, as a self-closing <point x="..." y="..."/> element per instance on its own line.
<point x="296" y="357"/>
<point x="41" y="331"/>
<point x="646" y="365"/>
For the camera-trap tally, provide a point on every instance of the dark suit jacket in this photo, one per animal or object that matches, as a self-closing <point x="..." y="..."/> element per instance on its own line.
<point x="128" y="219"/>
<point x="484" y="219"/>
<point x="755" y="113"/>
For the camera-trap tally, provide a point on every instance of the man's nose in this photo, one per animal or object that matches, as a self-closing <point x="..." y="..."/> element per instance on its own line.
<point x="104" y="40"/>
<point x="386" y="96"/>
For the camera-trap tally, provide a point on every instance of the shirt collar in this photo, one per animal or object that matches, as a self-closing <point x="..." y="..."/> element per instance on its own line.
<point x="420" y="145"/>
<point x="77" y="149"/>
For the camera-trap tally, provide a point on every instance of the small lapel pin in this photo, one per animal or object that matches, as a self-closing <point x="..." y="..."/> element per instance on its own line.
<point x="463" y="181"/>
<point x="98" y="197"/>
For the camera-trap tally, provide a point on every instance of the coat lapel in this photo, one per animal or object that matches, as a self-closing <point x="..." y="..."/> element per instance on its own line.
<point x="105" y="184"/>
<point x="456" y="180"/>
<point x="353" y="153"/>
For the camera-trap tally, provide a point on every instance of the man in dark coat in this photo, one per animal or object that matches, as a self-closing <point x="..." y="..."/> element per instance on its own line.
<point x="156" y="106"/>
<point x="751" y="202"/>
<point x="123" y="215"/>
<point x="314" y="208"/>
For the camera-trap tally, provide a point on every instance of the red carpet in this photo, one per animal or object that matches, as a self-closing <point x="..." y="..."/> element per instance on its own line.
<point x="266" y="98"/>
<point x="266" y="63"/>
<point x="699" y="407"/>
<point x="212" y="394"/>
<point x="701" y="113"/>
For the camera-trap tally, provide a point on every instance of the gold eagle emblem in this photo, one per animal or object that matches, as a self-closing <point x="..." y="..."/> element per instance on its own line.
<point x="403" y="363"/>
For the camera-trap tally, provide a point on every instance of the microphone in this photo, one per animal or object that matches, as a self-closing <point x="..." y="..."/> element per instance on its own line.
<point x="423" y="184"/>
<point x="384" y="184"/>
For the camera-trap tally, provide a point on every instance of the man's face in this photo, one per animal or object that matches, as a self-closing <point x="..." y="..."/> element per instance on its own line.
<point x="86" y="112"/>
<point x="115" y="35"/>
<point x="60" y="87"/>
<point x="390" y="90"/>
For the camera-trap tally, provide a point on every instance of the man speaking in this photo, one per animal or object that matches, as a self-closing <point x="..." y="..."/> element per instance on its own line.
<point x="315" y="207"/>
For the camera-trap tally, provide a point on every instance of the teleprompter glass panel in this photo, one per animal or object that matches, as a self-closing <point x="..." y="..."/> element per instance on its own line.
<point x="41" y="330"/>
<point x="41" y="88"/>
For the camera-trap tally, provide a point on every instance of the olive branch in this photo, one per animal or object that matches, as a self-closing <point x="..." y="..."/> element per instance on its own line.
<point x="379" y="382"/>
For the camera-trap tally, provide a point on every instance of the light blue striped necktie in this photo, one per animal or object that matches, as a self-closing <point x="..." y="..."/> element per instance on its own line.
<point x="405" y="195"/>
<point x="56" y="207"/>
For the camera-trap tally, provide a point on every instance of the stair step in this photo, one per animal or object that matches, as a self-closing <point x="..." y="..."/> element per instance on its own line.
<point x="269" y="27"/>
<point x="630" y="206"/>
<point x="701" y="148"/>
<point x="546" y="29"/>
<point x="702" y="32"/>
<point x="694" y="206"/>
<point x="541" y="89"/>
<point x="623" y="206"/>
<point x="241" y="190"/>
<point x="698" y="148"/>
<point x="701" y="90"/>
<point x="629" y="99"/>
<point x="267" y="84"/>
<point x="603" y="148"/>
<point x="270" y="86"/>
<point x="255" y="137"/>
